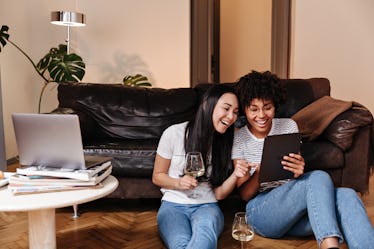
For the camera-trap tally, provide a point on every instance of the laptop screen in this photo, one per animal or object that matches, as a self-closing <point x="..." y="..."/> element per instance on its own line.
<point x="51" y="140"/>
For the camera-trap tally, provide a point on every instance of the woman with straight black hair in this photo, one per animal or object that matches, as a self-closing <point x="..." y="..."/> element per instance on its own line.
<point x="183" y="221"/>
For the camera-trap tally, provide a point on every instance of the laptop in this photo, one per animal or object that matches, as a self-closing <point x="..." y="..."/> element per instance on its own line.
<point x="52" y="140"/>
<point x="275" y="147"/>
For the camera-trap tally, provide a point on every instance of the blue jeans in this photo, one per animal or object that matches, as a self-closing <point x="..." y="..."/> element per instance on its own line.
<point x="190" y="226"/>
<point x="311" y="205"/>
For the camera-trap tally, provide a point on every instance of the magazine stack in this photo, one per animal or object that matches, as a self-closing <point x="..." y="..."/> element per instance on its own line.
<point x="34" y="179"/>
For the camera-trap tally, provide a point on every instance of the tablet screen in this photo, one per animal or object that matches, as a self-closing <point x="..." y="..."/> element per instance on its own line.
<point x="275" y="147"/>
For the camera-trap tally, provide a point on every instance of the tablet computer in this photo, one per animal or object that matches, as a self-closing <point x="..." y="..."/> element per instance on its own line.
<point x="275" y="147"/>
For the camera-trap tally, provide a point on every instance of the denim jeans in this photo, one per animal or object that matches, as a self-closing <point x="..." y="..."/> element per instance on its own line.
<point x="190" y="226"/>
<point x="311" y="205"/>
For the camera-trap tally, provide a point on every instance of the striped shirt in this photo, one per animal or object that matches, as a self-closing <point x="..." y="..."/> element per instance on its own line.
<point x="247" y="146"/>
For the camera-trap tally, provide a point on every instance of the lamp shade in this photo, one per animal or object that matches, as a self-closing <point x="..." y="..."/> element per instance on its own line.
<point x="67" y="18"/>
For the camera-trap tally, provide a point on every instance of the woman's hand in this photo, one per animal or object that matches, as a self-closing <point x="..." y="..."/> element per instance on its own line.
<point x="240" y="173"/>
<point x="241" y="168"/>
<point x="161" y="178"/>
<point x="248" y="185"/>
<point x="187" y="182"/>
<point x="294" y="163"/>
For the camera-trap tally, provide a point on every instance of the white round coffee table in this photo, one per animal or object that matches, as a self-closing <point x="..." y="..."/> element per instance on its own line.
<point x="41" y="208"/>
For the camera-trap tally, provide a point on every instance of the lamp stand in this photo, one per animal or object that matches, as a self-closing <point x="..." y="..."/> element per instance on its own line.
<point x="67" y="39"/>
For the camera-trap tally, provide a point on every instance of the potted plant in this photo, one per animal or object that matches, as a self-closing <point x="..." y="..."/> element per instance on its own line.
<point x="56" y="66"/>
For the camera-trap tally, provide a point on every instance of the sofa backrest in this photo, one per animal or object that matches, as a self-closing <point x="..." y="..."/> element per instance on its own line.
<point x="128" y="112"/>
<point x="117" y="111"/>
<point x="300" y="93"/>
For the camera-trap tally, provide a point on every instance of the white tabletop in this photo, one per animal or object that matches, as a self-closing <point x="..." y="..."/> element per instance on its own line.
<point x="29" y="202"/>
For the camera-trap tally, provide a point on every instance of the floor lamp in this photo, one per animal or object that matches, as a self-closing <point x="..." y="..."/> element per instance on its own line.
<point x="68" y="19"/>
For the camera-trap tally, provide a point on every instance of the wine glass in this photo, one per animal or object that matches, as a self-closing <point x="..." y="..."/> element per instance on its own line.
<point x="241" y="229"/>
<point x="195" y="168"/>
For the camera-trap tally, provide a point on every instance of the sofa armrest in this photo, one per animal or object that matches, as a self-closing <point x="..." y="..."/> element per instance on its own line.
<point x="358" y="162"/>
<point x="341" y="131"/>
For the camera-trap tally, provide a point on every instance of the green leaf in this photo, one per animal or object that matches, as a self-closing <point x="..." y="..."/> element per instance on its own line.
<point x="127" y="78"/>
<point x="136" y="80"/>
<point x="62" y="67"/>
<point x="139" y="78"/>
<point x="45" y="61"/>
<point x="4" y="36"/>
<point x="143" y="84"/>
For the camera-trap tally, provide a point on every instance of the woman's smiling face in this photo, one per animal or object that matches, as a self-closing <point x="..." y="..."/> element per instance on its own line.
<point x="260" y="113"/>
<point x="225" y="112"/>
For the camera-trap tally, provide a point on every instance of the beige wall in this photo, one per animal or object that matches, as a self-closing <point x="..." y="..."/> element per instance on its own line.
<point x="121" y="37"/>
<point x="335" y="39"/>
<point x="245" y="37"/>
<point x="330" y="38"/>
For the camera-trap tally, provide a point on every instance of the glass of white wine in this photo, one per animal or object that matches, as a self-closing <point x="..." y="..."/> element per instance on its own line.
<point x="241" y="229"/>
<point x="194" y="167"/>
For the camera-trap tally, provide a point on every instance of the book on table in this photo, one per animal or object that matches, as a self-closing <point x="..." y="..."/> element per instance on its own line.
<point x="38" y="183"/>
<point x="78" y="174"/>
<point x="52" y="180"/>
<point x="47" y="188"/>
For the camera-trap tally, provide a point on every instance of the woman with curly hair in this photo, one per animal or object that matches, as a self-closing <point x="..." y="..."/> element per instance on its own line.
<point x="305" y="205"/>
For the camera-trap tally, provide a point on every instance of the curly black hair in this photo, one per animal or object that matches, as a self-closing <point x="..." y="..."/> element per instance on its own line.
<point x="257" y="85"/>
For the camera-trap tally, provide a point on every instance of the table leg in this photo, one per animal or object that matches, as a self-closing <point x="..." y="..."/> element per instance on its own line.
<point x="75" y="210"/>
<point x="42" y="229"/>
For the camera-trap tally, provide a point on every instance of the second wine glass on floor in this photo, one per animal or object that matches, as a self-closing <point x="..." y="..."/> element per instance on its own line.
<point x="241" y="229"/>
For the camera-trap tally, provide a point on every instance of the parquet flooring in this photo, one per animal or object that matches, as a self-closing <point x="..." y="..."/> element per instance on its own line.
<point x="114" y="223"/>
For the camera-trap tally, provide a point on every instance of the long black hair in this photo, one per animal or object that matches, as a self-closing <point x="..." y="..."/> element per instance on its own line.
<point x="201" y="135"/>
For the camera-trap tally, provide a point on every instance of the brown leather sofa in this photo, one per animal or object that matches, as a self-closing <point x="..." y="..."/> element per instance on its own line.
<point x="127" y="122"/>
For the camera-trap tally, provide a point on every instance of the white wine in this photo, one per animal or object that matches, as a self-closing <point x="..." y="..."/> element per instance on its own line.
<point x="195" y="173"/>
<point x="243" y="234"/>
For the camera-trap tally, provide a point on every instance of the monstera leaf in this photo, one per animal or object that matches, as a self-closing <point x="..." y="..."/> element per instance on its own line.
<point x="4" y="36"/>
<point x="62" y="67"/>
<point x="136" y="80"/>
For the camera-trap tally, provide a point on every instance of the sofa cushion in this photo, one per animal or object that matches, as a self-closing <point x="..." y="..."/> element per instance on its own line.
<point x="322" y="154"/>
<point x="131" y="158"/>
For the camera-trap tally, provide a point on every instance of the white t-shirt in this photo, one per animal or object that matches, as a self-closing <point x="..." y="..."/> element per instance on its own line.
<point x="171" y="146"/>
<point x="247" y="146"/>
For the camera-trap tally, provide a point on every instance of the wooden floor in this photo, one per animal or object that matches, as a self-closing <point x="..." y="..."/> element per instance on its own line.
<point x="111" y="223"/>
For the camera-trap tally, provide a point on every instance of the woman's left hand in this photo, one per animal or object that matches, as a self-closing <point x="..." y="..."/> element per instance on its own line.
<point x="294" y="163"/>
